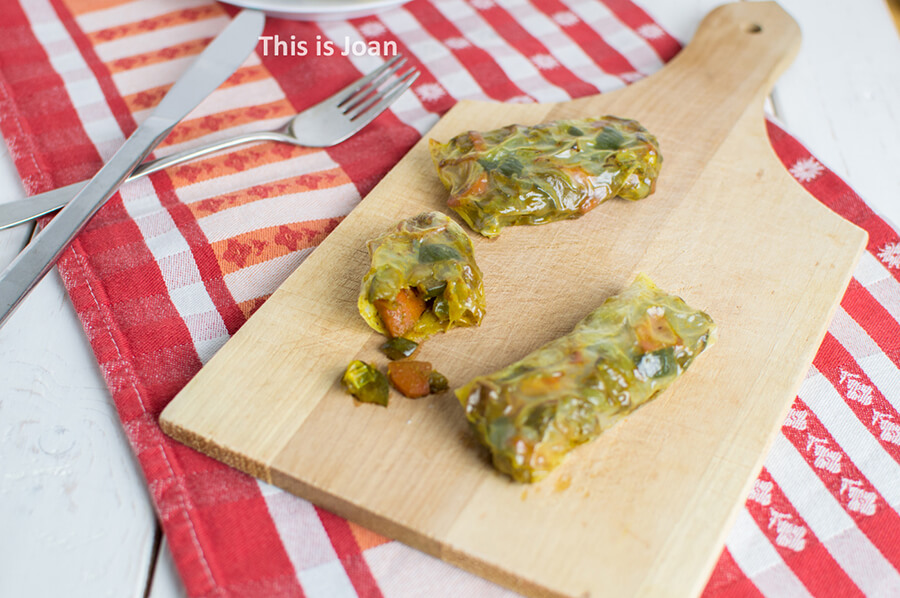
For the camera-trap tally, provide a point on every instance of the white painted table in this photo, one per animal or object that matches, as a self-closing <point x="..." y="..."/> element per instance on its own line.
<point x="75" y="516"/>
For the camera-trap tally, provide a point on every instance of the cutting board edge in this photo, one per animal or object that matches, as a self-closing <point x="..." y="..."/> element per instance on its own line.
<point x="344" y="508"/>
<point x="856" y="239"/>
<point x="215" y="450"/>
<point x="430" y="545"/>
<point x="788" y="402"/>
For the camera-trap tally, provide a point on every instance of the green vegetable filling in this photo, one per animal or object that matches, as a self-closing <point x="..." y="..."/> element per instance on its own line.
<point x="437" y="382"/>
<point x="609" y="139"/>
<point x="399" y="348"/>
<point x="429" y="254"/>
<point x="366" y="383"/>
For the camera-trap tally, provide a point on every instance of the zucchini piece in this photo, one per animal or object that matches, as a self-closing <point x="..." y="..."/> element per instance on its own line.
<point x="399" y="348"/>
<point x="366" y="383"/>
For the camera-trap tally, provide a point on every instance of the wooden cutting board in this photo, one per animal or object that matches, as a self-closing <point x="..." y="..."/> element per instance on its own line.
<point x="644" y="510"/>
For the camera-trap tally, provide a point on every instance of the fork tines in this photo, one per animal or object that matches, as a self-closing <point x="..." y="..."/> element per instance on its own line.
<point x="377" y="90"/>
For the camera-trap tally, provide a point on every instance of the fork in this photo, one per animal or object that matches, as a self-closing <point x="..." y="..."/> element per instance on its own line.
<point x="327" y="123"/>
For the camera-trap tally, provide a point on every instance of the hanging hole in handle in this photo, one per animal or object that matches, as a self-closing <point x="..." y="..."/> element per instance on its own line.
<point x="753" y="28"/>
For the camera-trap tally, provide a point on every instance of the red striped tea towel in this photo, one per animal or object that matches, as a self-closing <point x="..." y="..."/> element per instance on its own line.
<point x="176" y="263"/>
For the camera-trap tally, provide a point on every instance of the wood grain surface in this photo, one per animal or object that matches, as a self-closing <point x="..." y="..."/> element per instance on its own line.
<point x="643" y="510"/>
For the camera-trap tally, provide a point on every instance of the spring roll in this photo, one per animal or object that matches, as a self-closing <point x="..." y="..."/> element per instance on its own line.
<point x="532" y="413"/>
<point x="547" y="172"/>
<point x="423" y="279"/>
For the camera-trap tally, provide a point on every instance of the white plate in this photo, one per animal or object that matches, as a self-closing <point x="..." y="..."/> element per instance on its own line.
<point x="317" y="10"/>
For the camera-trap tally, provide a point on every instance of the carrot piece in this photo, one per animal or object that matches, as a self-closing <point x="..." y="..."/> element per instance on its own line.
<point x="478" y="142"/>
<point x="410" y="378"/>
<point x="654" y="332"/>
<point x="401" y="314"/>
<point x="478" y="187"/>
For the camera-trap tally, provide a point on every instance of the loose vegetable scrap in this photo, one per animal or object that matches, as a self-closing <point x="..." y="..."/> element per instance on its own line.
<point x="423" y="280"/>
<point x="533" y="412"/>
<point x="366" y="383"/>
<point x="399" y="348"/>
<point x="547" y="172"/>
<point x="416" y="379"/>
<point x="412" y="379"/>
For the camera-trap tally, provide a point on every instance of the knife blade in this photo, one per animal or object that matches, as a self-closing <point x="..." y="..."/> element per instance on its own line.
<point x="217" y="62"/>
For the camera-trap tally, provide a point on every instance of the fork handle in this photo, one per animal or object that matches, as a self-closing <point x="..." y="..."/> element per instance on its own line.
<point x="29" y="208"/>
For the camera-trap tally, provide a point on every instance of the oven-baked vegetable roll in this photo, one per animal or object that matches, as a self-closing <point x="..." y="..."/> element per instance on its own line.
<point x="533" y="412"/>
<point x="547" y="172"/>
<point x="423" y="279"/>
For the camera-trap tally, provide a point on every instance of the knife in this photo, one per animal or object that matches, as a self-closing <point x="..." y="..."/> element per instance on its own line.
<point x="217" y="62"/>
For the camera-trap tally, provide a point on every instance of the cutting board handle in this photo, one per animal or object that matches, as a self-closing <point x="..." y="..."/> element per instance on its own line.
<point x="730" y="66"/>
<point x="744" y="47"/>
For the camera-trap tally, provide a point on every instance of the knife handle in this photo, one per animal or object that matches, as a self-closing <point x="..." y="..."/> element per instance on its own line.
<point x="39" y="256"/>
